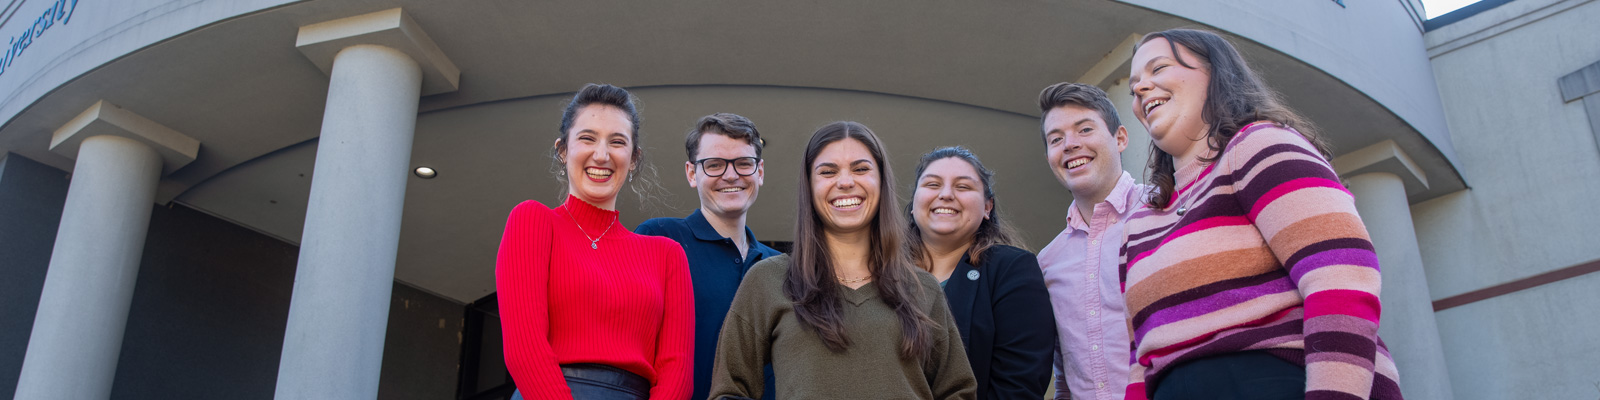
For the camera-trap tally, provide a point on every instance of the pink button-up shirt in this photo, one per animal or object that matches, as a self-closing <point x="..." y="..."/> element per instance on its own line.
<point x="1080" y="269"/>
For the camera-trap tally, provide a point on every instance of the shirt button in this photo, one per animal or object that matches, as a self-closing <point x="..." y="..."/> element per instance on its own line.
<point x="1091" y="275"/>
<point x="1095" y="242"/>
<point x="1093" y="312"/>
<point x="1102" y="384"/>
<point x="1094" y="347"/>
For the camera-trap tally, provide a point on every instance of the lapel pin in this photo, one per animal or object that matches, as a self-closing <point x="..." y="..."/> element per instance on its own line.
<point x="972" y="275"/>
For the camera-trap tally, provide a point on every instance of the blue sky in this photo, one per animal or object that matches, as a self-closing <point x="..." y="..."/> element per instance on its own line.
<point x="1440" y="7"/>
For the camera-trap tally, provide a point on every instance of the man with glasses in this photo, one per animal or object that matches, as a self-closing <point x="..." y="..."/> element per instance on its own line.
<point x="725" y="168"/>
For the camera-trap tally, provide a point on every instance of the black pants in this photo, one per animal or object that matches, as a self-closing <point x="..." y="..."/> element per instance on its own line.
<point x="601" y="382"/>
<point x="1251" y="375"/>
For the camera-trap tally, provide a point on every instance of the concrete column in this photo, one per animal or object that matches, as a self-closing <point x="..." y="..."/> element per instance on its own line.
<point x="77" y="333"/>
<point x="378" y="63"/>
<point x="1137" y="156"/>
<point x="1380" y="177"/>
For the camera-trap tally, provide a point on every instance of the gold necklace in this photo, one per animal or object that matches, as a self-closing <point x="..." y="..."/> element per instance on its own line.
<point x="848" y="281"/>
<point x="594" y="242"/>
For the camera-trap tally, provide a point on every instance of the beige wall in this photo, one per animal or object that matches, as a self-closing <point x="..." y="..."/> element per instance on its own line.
<point x="1534" y="170"/>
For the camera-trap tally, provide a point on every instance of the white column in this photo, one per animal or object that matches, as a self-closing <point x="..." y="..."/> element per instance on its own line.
<point x="77" y="334"/>
<point x="1137" y="156"/>
<point x="1380" y="176"/>
<point x="378" y="63"/>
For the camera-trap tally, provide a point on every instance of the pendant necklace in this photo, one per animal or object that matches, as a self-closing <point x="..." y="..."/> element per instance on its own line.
<point x="594" y="242"/>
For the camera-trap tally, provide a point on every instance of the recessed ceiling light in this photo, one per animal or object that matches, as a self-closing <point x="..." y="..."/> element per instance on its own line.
<point x="426" y="172"/>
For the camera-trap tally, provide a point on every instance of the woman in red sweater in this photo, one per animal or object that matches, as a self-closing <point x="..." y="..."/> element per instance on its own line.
<point x="588" y="309"/>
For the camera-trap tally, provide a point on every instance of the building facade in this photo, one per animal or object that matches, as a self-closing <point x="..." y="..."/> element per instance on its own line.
<point x="205" y="198"/>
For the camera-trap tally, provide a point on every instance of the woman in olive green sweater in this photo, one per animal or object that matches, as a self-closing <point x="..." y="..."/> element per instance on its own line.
<point x="846" y="315"/>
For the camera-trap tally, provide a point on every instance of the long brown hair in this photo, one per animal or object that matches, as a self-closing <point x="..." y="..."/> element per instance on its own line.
<point x="1235" y="96"/>
<point x="992" y="231"/>
<point x="811" y="283"/>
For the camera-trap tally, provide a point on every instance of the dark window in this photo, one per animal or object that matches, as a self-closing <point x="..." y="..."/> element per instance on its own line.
<point x="483" y="367"/>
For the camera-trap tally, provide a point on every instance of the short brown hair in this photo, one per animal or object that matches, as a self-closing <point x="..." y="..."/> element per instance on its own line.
<point x="1077" y="94"/>
<point x="726" y="124"/>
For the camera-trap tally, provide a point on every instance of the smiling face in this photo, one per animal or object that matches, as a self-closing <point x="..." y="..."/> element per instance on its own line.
<point x="598" y="155"/>
<point x="730" y="195"/>
<point x="948" y="203"/>
<point x="1084" y="156"/>
<point x="845" y="186"/>
<point x="1168" y="97"/>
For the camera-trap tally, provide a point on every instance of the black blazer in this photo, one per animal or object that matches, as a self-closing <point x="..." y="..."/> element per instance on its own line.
<point x="1003" y="311"/>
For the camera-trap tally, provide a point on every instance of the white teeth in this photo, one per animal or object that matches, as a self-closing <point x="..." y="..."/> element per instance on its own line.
<point x="599" y="172"/>
<point x="942" y="210"/>
<point x="731" y="190"/>
<point x="1077" y="162"/>
<point x="847" y="202"/>
<point x="1152" y="104"/>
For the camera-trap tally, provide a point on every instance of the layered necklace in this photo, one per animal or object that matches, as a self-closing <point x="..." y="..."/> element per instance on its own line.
<point x="848" y="281"/>
<point x="594" y="242"/>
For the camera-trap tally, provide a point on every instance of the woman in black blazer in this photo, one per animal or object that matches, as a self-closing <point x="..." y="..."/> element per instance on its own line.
<point x="996" y="290"/>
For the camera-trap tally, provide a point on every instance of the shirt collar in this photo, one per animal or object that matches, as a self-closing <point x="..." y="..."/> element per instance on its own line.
<point x="704" y="231"/>
<point x="1118" y="198"/>
<point x="702" y="228"/>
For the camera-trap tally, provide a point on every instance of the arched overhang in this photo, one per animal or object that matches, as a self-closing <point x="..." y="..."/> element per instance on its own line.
<point x="921" y="74"/>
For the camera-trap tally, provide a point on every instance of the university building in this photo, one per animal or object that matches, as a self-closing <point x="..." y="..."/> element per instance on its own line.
<point x="226" y="198"/>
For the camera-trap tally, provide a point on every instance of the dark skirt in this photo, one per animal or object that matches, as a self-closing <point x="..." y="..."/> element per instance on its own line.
<point x="601" y="382"/>
<point x="1249" y="375"/>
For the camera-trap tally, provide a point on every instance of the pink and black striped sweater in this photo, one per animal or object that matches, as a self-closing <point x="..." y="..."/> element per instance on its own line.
<point x="1260" y="250"/>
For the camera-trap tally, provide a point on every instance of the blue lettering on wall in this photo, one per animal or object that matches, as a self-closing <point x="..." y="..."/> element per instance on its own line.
<point x="59" y="11"/>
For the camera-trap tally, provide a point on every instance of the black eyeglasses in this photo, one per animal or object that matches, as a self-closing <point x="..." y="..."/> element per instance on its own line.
<point x="716" y="167"/>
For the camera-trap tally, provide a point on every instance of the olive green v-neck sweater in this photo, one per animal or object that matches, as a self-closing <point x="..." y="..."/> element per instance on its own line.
<point x="762" y="328"/>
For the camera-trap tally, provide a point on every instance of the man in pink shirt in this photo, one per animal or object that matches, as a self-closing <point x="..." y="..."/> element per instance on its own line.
<point x="1083" y="143"/>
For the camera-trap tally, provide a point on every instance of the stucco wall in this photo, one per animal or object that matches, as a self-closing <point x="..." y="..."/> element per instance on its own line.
<point x="1374" y="46"/>
<point x="96" y="32"/>
<point x="1533" y="163"/>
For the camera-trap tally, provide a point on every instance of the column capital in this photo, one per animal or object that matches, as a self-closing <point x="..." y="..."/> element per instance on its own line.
<point x="1111" y="62"/>
<point x="1387" y="157"/>
<point x="104" y="118"/>
<point x="391" y="28"/>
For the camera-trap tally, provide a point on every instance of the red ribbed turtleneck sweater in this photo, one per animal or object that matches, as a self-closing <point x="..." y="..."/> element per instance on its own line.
<point x="627" y="304"/>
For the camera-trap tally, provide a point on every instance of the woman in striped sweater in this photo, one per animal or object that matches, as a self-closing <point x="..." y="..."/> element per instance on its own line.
<point x="1249" y="275"/>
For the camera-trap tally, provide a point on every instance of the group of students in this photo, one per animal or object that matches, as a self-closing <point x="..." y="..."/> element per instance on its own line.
<point x="1242" y="271"/>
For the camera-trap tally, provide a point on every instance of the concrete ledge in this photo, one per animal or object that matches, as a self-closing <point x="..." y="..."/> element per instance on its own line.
<point x="1385" y="156"/>
<point x="392" y="28"/>
<point x="1583" y="82"/>
<point x="1492" y="23"/>
<point x="103" y="118"/>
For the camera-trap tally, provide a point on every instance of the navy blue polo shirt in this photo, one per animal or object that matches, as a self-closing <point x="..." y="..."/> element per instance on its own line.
<point x="716" y="268"/>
